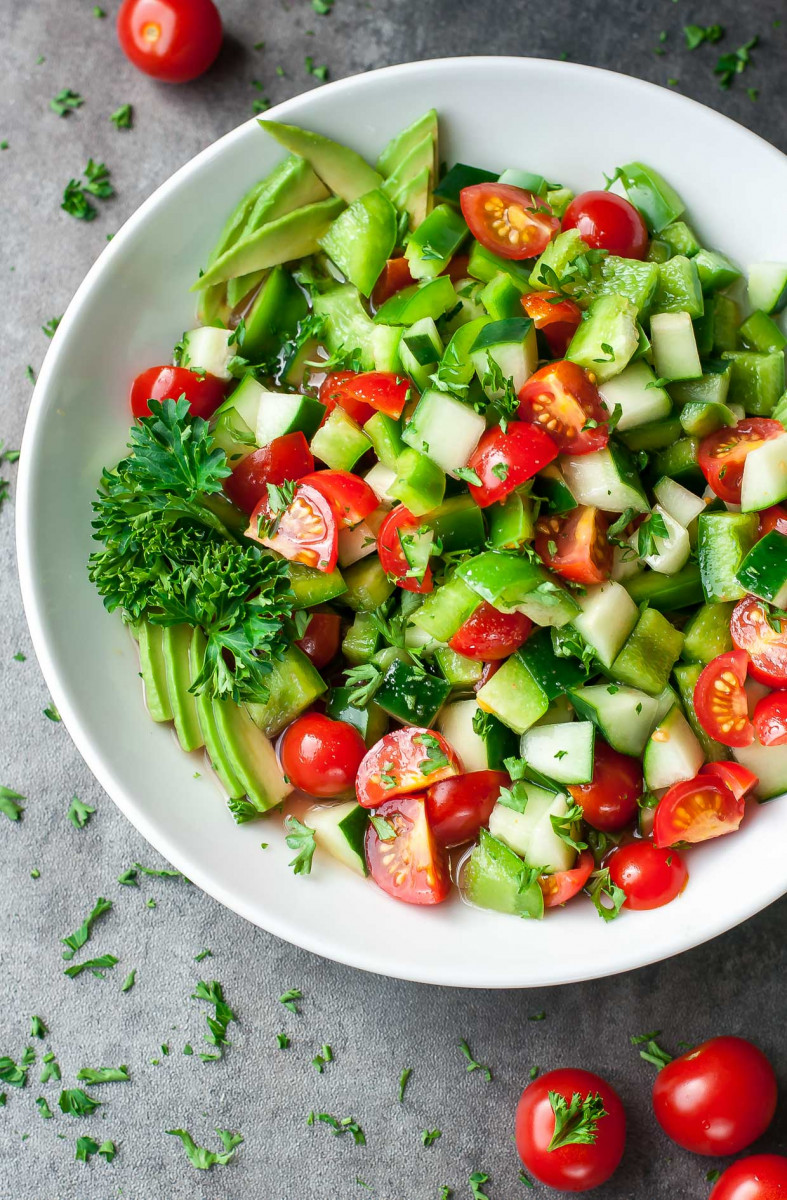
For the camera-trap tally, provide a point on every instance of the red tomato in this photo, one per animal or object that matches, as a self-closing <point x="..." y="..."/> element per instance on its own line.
<point x="563" y="400"/>
<point x="650" y="877"/>
<point x="739" y="779"/>
<point x="457" y="268"/>
<point x="321" y="756"/>
<point x="695" y="811"/>
<point x="489" y="634"/>
<point x="320" y="642"/>
<point x="203" y="392"/>
<point x="770" y="719"/>
<point x="411" y="866"/>
<point x="716" y="1099"/>
<point x="720" y="700"/>
<point x="407" y="760"/>
<point x="609" y="802"/>
<point x="400" y="523"/>
<point x="287" y="457"/>
<point x="722" y="454"/>
<point x="395" y="276"/>
<point x="773" y="518"/>
<point x="556" y="317"/>
<point x="576" y="546"/>
<point x="332" y="392"/>
<point x="608" y="222"/>
<point x="766" y="647"/>
<point x="759" y="1177"/>
<point x="490" y="669"/>
<point x="172" y="40"/>
<point x="351" y="496"/>
<point x="458" y="807"/>
<point x="564" y="885"/>
<point x="306" y="532"/>
<point x="504" y="461"/>
<point x="508" y="220"/>
<point x="572" y="1166"/>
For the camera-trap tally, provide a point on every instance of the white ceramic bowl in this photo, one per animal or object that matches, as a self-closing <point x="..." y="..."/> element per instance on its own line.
<point x="568" y="122"/>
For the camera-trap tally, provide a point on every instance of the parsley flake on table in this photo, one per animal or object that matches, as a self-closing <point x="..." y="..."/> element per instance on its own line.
<point x="697" y="34"/>
<point x="66" y="102"/>
<point x="204" y="1159"/>
<point x="129" y="981"/>
<point x="651" y="1051"/>
<point x="77" y="1102"/>
<point x="79" y="813"/>
<point x="123" y="117"/>
<point x="88" y="1146"/>
<point x="43" y="1108"/>
<point x="476" y="1181"/>
<point x="300" y="837"/>
<point x="320" y="73"/>
<point x="37" y="1028"/>
<point x="430" y="1136"/>
<point x="203" y="954"/>
<point x="96" y="966"/>
<point x="12" y="1073"/>
<point x="51" y="326"/>
<point x="339" y="1127"/>
<point x="404" y="1079"/>
<point x="282" y="1041"/>
<point x="472" y="1065"/>
<point x="74" y="941"/>
<point x="50" y="1068"/>
<point x="735" y="63"/>
<point x="322" y="7"/>
<point x="9" y="805"/>
<point x="213" y="993"/>
<point x="51" y="713"/>
<point x="576" y="1122"/>
<point x="321" y="1060"/>
<point x="289" y="998"/>
<point x="95" y="1075"/>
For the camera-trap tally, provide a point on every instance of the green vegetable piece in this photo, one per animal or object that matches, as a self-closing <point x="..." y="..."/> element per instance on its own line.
<point x="497" y="878"/>
<point x="723" y="541"/>
<point x="274" y="315"/>
<point x="757" y="380"/>
<point x="341" y="169"/>
<point x="312" y="586"/>
<point x="433" y="244"/>
<point x="707" y="633"/>
<point x="649" y="192"/>
<point x="339" y="442"/>
<point x="649" y="653"/>
<point x="367" y="585"/>
<point x="760" y="332"/>
<point x="686" y="676"/>
<point x="294" y="684"/>
<point x="362" y="238"/>
<point x="409" y="694"/>
<point x="667" y="592"/>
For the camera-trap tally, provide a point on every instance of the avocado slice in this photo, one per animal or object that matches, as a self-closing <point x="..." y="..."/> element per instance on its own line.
<point x="294" y="684"/>
<point x="292" y="236"/>
<point x="153" y="671"/>
<point x="421" y="156"/>
<point x="207" y="721"/>
<point x="251" y="756"/>
<point x="340" y="169"/>
<point x="404" y="142"/>
<point x="413" y="198"/>
<point x="362" y="239"/>
<point x="175" y="642"/>
<point x="276" y="311"/>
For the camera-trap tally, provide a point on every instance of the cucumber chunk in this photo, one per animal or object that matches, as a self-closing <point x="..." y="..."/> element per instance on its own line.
<point x="607" y="617"/>
<point x="561" y="752"/>
<point x="279" y="413"/>
<point x="623" y="715"/>
<point x="672" y="753"/>
<point x="605" y="479"/>
<point x="444" y="429"/>
<point x="607" y="338"/>
<point x="340" y="829"/>
<point x="765" y="475"/>
<point x="769" y="764"/>
<point x="649" y="653"/>
<point x="481" y="741"/>
<point x="339" y="442"/>
<point x="681" y="504"/>
<point x="723" y="541"/>
<point x="494" y="878"/>
<point x="513" y="696"/>
<point x="675" y="353"/>
<point x="768" y="286"/>
<point x="293" y="684"/>
<point x="209" y="349"/>
<point x="530" y="833"/>
<point x="763" y="571"/>
<point x="669" y="553"/>
<point x="634" y="390"/>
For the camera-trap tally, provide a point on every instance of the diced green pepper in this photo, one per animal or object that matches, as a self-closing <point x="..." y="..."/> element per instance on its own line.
<point x="667" y="592"/>
<point x="501" y="298"/>
<point x="361" y="639"/>
<point x="431" y="298"/>
<point x="461" y="672"/>
<point x="511" y="522"/>
<point x="367" y="585"/>
<point x="649" y="653"/>
<point x="723" y="541"/>
<point x="707" y="633"/>
<point x="385" y="434"/>
<point x="371" y="722"/>
<point x="446" y="609"/>
<point x="757" y="380"/>
<point x="763" y="571"/>
<point x="293" y="685"/>
<point x="648" y="191"/>
<point x="432" y="245"/>
<point x="678" y="288"/>
<point x="484" y="265"/>
<point x="715" y="270"/>
<point x="501" y="579"/>
<point x="458" y="524"/>
<point x="496" y="878"/>
<point x="419" y="483"/>
<point x="312" y="586"/>
<point x="681" y="462"/>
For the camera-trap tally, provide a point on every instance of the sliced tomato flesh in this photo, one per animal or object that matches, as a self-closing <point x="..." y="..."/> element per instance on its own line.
<point x="395" y="275"/>
<point x="770" y="719"/>
<point x="695" y="811"/>
<point x="575" y="546"/>
<point x="398" y="525"/>
<point x="489" y="634"/>
<point x="306" y="531"/>
<point x="504" y="460"/>
<point x="508" y="220"/>
<point x="410" y="865"/>
<point x="333" y="393"/>
<point x="407" y="760"/>
<point x="352" y="497"/>
<point x="722" y="455"/>
<point x="764" y="638"/>
<point x="564" y="885"/>
<point x="720" y="700"/>
<point x="739" y="779"/>
<point x="563" y="400"/>
<point x="287" y="457"/>
<point x="555" y="317"/>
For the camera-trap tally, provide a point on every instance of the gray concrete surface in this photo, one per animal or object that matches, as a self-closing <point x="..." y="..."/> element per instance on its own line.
<point x="376" y="1027"/>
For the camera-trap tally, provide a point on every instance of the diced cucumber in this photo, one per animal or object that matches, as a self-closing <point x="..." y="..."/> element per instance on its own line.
<point x="607" y="338"/>
<point x="553" y="673"/>
<point x="653" y="436"/>
<point x="680" y="238"/>
<point x="549" y="604"/>
<point x="649" y="653"/>
<point x="679" y="288"/>
<point x="769" y="764"/>
<point x="381" y="479"/>
<point x="361" y="540"/>
<point x="558" y="199"/>
<point x="765" y="475"/>
<point x="434" y="243"/>
<point x="366" y="585"/>
<point x="715" y="270"/>
<point x="605" y="479"/>
<point x="371" y="722"/>
<point x="461" y="672"/>
<point x="670" y="553"/>
<point x="419" y="482"/>
<point x="362" y="238"/>
<point x="460" y="176"/>
<point x="723" y="541"/>
<point x="625" y="565"/>
<point x="672" y="753"/>
<point x="445" y="429"/>
<point x="686" y="676"/>
<point x="282" y="412"/>
<point x="501" y="298"/>
<point x="386" y="340"/>
<point x="674" y="346"/>
<point x="495" y="878"/>
<point x="701" y="417"/>
<point x="763" y="571"/>
<point x="623" y="715"/>
<point x="340" y="829"/>
<point x="757" y="380"/>
<point x="420" y="350"/>
<point x="680" y="461"/>
<point x="636" y="392"/>
<point x="293" y="684"/>
<point x="430" y="298"/>
<point x="511" y="346"/>
<point x="677" y="501"/>
<point x="513" y="696"/>
<point x="667" y="592"/>
<point x="636" y="281"/>
<point x="251" y="756"/>
<point x="559" y="712"/>
<point x="209" y="349"/>
<point x="553" y="487"/>
<point x="446" y="609"/>
<point x="361" y="639"/>
<point x="536" y="184"/>
<point x="312" y="586"/>
<point x="339" y="442"/>
<point x="417" y="546"/>
<point x="153" y="671"/>
<point x="607" y="617"/>
<point x="768" y="286"/>
<point x="561" y="752"/>
<point x="348" y="325"/>
<point x="531" y="833"/>
<point x="481" y="741"/>
<point x="411" y="695"/>
<point x="707" y="633"/>
<point x="760" y="332"/>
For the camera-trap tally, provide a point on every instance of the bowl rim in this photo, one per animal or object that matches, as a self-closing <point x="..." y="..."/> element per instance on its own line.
<point x="32" y="588"/>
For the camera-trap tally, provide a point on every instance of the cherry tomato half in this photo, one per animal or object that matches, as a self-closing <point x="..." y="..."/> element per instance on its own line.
<point x="320" y="642"/>
<point x="172" y="40"/>
<point x="395" y="275"/>
<point x="458" y="807"/>
<point x="563" y="401"/>
<point x="504" y="461"/>
<point x="576" y="546"/>
<point x="203" y="392"/>
<point x="321" y="756"/>
<point x="770" y="719"/>
<point x="739" y="779"/>
<point x="333" y="393"/>
<point x="608" y="222"/>
<point x="717" y="1098"/>
<point x="362" y="395"/>
<point x="399" y="524"/>
<point x="720" y="700"/>
<point x="410" y="866"/>
<point x="609" y="801"/>
<point x="564" y="885"/>
<point x="696" y="810"/>
<point x="508" y="220"/>
<point x="351" y="496"/>
<point x="758" y="1177"/>
<point x="287" y="457"/>
<point x="722" y="455"/>
<point x="771" y="519"/>
<point x="306" y="532"/>
<point x="570" y="1165"/>
<point x="650" y="877"/>
<point x="555" y="317"/>
<point x="407" y="760"/>
<point x="764" y="642"/>
<point x="489" y="634"/>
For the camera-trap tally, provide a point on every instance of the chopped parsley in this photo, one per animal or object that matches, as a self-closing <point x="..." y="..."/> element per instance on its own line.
<point x="9" y="805"/>
<point x="735" y="63"/>
<point x="435" y="759"/>
<point x="87" y="1146"/>
<point x="96" y="966"/>
<point x="203" y="954"/>
<point x="76" y="940"/>
<point x="576" y="1122"/>
<point x="606" y="895"/>
<point x="651" y="1051"/>
<point x="384" y="830"/>
<point x="539" y="1016"/>
<point x="654" y="527"/>
<point x="320" y="73"/>
<point x="346" y="1125"/>
<point x="282" y="1041"/>
<point x="123" y="117"/>
<point x="321" y="1060"/>
<point x="430" y="1136"/>
<point x="95" y="1075"/>
<point x="289" y="998"/>
<point x="50" y="1068"/>
<point x="470" y="476"/>
<point x="323" y="7"/>
<point x="77" y="1102"/>
<point x="37" y="1028"/>
<point x="51" y="714"/>
<point x="213" y="993"/>
<point x="476" y="1181"/>
<point x="404" y="1079"/>
<point x="79" y="813"/>
<point x="12" y="1073"/>
<point x="43" y="1108"/>
<point x="300" y="837"/>
<point x="51" y="326"/>
<point x="566" y="827"/>
<point x="66" y="102"/>
<point x="697" y="34"/>
<point x="204" y="1159"/>
<point x="129" y="981"/>
<point x="472" y="1065"/>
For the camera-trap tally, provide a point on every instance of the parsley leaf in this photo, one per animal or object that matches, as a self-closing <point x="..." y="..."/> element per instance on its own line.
<point x="289" y="998"/>
<point x="129" y="981"/>
<point x="77" y="1102"/>
<point x="103" y="1075"/>
<point x="606" y="895"/>
<point x="363" y="681"/>
<point x="468" y="475"/>
<point x="346" y="1125"/>
<point x="654" y="527"/>
<point x="15" y="1075"/>
<point x="435" y="759"/>
<point x="8" y="804"/>
<point x="697" y="34"/>
<point x="430" y="1136"/>
<point x="65" y="102"/>
<point x="37" y="1028"/>
<point x="730" y="65"/>
<point x="75" y="941"/>
<point x="300" y="838"/>
<point x="43" y="1108"/>
<point x="79" y="813"/>
<point x="320" y="1061"/>
<point x="476" y="1180"/>
<point x="213" y="993"/>
<point x="97" y="966"/>
<point x="576" y="1123"/>
<point x="384" y="830"/>
<point x="123" y="117"/>
<point x="652" y="1052"/>
<point x="204" y="1159"/>
<point x="50" y="1069"/>
<point x="403" y="1081"/>
<point x="472" y="1065"/>
<point x="566" y="827"/>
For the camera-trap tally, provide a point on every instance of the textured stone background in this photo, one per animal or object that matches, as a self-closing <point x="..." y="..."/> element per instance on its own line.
<point x="376" y="1027"/>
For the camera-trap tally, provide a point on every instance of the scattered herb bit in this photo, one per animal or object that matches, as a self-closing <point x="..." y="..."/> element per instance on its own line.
<point x="9" y="805"/>
<point x="51" y="326"/>
<point x="404" y="1079"/>
<point x="289" y="998"/>
<point x="213" y="993"/>
<point x="435" y="756"/>
<point x="534" y="1072"/>
<point x="79" y="813"/>
<point x="346" y="1125"/>
<point x="129" y="981"/>
<point x="576" y="1123"/>
<point x="150" y="902"/>
<point x="321" y="1060"/>
<point x="282" y="1041"/>
<point x="123" y="117"/>
<point x="52" y="714"/>
<point x="35" y="873"/>
<point x="697" y="34"/>
<point x="363" y="681"/>
<point x="12" y="1073"/>
<point x="713" y="1175"/>
<point x="204" y="1159"/>
<point x="37" y="1028"/>
<point x="20" y="657"/>
<point x="469" y="475"/>
<point x="31" y="375"/>
<point x="50" y="1068"/>
<point x="472" y="1065"/>
<point x="103" y="1075"/>
<point x="651" y="529"/>
<point x="476" y="1181"/>
<point x="65" y="102"/>
<point x="300" y="837"/>
<point x="652" y="1052"/>
<point x="525" y="1179"/>
<point x="323" y="7"/>
<point x="320" y="73"/>
<point x="735" y="63"/>
<point x="77" y="1102"/>
<point x="188" y="1049"/>
<point x="539" y="1016"/>
<point x="97" y="966"/>
<point x="43" y="1108"/>
<point x="202" y="955"/>
<point x="75" y="941"/>
<point x="129" y="878"/>
<point x="384" y="829"/>
<point x="430" y="1136"/>
<point x="606" y="895"/>
<point x="753" y="94"/>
